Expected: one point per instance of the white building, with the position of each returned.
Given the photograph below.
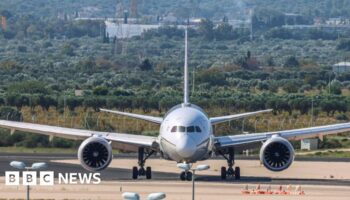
(129, 30)
(341, 67)
(335, 21)
(309, 144)
(126, 30)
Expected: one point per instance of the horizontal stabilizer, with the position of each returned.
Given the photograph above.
(216, 120)
(157, 120)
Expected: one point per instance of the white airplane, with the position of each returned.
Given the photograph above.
(186, 136)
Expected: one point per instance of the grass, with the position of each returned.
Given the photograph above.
(330, 154)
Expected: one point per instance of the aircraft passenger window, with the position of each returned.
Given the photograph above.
(182, 129)
(198, 129)
(173, 129)
(190, 129)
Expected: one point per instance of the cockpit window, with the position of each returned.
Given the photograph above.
(181, 129)
(190, 129)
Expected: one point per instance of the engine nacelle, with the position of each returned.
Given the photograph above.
(277, 154)
(95, 153)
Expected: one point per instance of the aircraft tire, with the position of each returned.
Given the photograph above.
(189, 176)
(148, 173)
(135, 173)
(237, 173)
(223, 173)
(183, 176)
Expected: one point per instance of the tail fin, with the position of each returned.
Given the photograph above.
(186, 95)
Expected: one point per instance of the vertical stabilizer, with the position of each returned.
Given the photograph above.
(186, 95)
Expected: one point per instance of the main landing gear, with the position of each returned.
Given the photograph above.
(141, 171)
(230, 172)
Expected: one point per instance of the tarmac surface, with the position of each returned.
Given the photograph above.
(317, 178)
(121, 171)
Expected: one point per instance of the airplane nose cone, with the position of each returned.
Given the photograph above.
(186, 147)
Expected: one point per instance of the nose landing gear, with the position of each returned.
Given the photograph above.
(236, 172)
(186, 176)
(141, 171)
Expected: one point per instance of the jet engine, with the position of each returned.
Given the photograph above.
(277, 154)
(95, 153)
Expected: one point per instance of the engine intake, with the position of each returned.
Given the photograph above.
(277, 154)
(95, 154)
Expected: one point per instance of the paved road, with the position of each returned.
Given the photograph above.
(125, 175)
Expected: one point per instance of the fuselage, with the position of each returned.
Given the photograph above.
(186, 134)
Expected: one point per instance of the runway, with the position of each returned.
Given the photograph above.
(316, 181)
(120, 170)
(108, 174)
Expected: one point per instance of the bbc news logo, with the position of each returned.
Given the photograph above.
(46, 178)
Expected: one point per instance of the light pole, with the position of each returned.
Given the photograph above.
(21, 166)
(312, 110)
(135, 196)
(187, 167)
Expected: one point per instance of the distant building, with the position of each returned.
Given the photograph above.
(291, 18)
(334, 21)
(195, 21)
(309, 144)
(235, 23)
(170, 18)
(79, 93)
(127, 30)
(338, 21)
(341, 67)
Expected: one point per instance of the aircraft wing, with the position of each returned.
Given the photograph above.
(295, 134)
(216, 120)
(157, 120)
(121, 139)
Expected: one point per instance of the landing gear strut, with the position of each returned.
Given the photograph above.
(141, 171)
(230, 157)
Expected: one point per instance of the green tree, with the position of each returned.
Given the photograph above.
(206, 28)
(335, 87)
(344, 44)
(68, 50)
(213, 76)
(224, 32)
(6, 13)
(9, 113)
(29, 87)
(291, 62)
(146, 65)
(100, 90)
